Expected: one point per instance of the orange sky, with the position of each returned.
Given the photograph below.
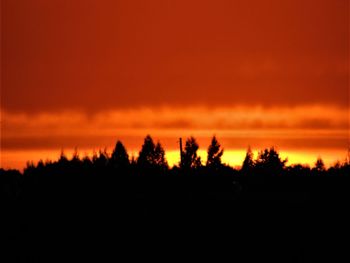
(85, 73)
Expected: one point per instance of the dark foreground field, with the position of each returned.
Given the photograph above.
(106, 217)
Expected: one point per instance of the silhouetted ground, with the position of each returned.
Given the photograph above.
(110, 215)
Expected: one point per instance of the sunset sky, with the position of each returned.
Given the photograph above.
(85, 73)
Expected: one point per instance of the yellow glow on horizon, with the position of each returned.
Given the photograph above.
(17, 159)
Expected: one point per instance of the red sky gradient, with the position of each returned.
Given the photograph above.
(85, 73)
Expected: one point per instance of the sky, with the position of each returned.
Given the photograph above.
(85, 73)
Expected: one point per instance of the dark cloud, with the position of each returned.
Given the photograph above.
(134, 143)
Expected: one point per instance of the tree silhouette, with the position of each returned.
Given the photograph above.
(248, 163)
(146, 155)
(94, 156)
(151, 155)
(269, 162)
(101, 160)
(214, 154)
(190, 158)
(75, 161)
(63, 160)
(41, 164)
(159, 157)
(319, 165)
(120, 157)
(86, 162)
(133, 161)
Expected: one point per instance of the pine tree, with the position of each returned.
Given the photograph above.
(151, 155)
(248, 163)
(214, 154)
(159, 157)
(269, 162)
(190, 157)
(146, 155)
(319, 165)
(120, 157)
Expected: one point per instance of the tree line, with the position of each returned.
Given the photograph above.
(152, 159)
